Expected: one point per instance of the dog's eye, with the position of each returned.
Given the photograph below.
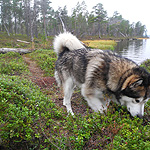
(137, 101)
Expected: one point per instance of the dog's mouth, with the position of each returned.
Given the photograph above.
(137, 115)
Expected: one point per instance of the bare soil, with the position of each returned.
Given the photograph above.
(49, 86)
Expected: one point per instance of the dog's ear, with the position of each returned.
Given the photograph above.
(132, 82)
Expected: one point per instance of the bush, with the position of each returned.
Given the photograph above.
(28, 116)
(23, 108)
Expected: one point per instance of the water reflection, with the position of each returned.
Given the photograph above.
(137, 50)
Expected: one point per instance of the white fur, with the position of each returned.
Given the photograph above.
(68, 90)
(135, 109)
(57, 78)
(96, 100)
(68, 40)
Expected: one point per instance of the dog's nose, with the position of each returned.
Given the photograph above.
(140, 116)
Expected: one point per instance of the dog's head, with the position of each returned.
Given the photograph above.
(136, 92)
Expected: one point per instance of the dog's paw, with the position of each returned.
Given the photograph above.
(70, 112)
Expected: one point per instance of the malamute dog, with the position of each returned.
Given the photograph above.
(102, 76)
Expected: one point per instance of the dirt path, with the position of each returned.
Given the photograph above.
(37, 75)
(48, 86)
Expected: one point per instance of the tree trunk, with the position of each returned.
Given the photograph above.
(45, 25)
(99, 31)
(27, 17)
(15, 25)
(6, 30)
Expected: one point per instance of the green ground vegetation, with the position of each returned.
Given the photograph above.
(146, 65)
(42, 43)
(30, 119)
(11, 41)
(12, 64)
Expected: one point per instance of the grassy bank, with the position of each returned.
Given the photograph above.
(30, 119)
(42, 43)
(12, 41)
(101, 44)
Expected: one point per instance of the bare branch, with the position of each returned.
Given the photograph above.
(63, 25)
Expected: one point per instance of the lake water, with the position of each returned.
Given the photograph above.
(136, 50)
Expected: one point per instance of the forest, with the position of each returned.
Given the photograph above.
(37, 17)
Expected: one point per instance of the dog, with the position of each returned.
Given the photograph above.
(102, 76)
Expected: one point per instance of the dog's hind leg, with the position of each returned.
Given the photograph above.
(68, 90)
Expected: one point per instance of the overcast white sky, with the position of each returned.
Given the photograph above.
(132, 10)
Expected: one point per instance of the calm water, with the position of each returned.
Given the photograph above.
(137, 50)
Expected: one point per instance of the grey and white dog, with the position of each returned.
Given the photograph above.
(102, 76)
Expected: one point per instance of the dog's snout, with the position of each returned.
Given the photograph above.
(140, 116)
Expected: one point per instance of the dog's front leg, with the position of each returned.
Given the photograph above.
(96, 104)
(95, 99)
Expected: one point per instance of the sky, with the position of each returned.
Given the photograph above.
(132, 10)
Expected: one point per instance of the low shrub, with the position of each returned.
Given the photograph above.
(146, 65)
(24, 111)
(30, 119)
(12, 63)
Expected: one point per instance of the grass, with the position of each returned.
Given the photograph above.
(25, 112)
(101, 44)
(11, 41)
(42, 43)
(30, 119)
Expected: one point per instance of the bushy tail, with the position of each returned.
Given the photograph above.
(68, 40)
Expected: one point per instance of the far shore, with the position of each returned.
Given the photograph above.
(117, 39)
